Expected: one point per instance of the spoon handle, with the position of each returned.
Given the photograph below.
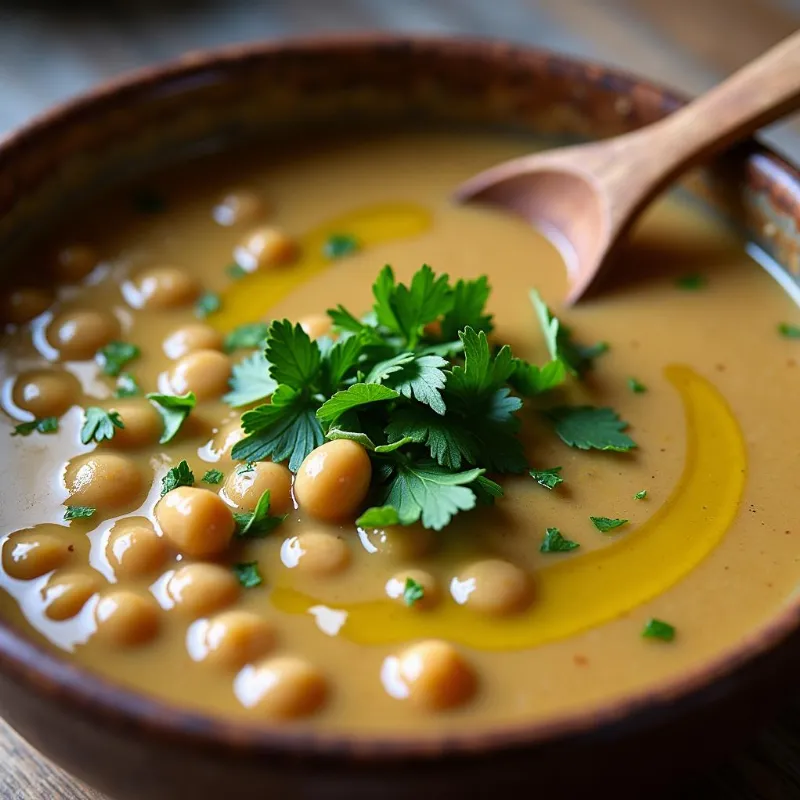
(762, 92)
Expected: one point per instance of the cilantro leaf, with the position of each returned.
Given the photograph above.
(248, 574)
(174, 410)
(252, 334)
(412, 592)
(338, 245)
(257, 523)
(115, 355)
(207, 303)
(481, 373)
(606, 524)
(213, 476)
(287, 428)
(469, 300)
(41, 425)
(588, 427)
(99, 425)
(127, 386)
(529, 380)
(379, 517)
(250, 381)
(549, 478)
(358, 394)
(295, 359)
(658, 629)
(449, 442)
(636, 387)
(79, 512)
(554, 542)
(640, 495)
(180, 475)
(789, 331)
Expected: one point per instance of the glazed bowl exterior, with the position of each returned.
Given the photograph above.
(132, 746)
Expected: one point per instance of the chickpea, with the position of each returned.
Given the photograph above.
(195, 336)
(75, 262)
(431, 674)
(143, 424)
(316, 325)
(18, 306)
(104, 481)
(31, 553)
(125, 618)
(281, 688)
(493, 587)
(66, 594)
(333, 481)
(238, 207)
(398, 542)
(233, 638)
(204, 372)
(225, 438)
(200, 589)
(315, 552)
(196, 521)
(46, 393)
(396, 589)
(166, 287)
(243, 488)
(134, 548)
(265, 248)
(78, 335)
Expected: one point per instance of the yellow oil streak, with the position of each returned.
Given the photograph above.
(247, 299)
(582, 591)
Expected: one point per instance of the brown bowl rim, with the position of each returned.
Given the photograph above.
(39, 669)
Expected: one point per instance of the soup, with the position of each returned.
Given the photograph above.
(646, 518)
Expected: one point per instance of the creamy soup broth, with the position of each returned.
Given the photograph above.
(730, 558)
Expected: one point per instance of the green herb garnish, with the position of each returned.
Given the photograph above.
(636, 387)
(115, 355)
(100, 425)
(606, 524)
(257, 523)
(658, 629)
(549, 478)
(180, 475)
(691, 282)
(554, 542)
(207, 303)
(246, 336)
(235, 271)
(338, 245)
(174, 410)
(42, 425)
(79, 512)
(127, 386)
(640, 495)
(250, 381)
(789, 331)
(588, 427)
(213, 476)
(248, 575)
(412, 592)
(149, 201)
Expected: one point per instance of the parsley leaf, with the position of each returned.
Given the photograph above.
(420, 377)
(469, 300)
(605, 524)
(127, 386)
(257, 523)
(450, 442)
(549, 478)
(554, 542)
(207, 303)
(250, 381)
(295, 360)
(640, 495)
(79, 512)
(174, 410)
(358, 394)
(248, 574)
(412, 592)
(529, 380)
(286, 428)
(379, 517)
(691, 282)
(588, 427)
(42, 425)
(180, 475)
(338, 245)
(340, 360)
(115, 355)
(481, 373)
(213, 476)
(789, 331)
(99, 425)
(253, 334)
(344, 321)
(658, 629)
(636, 387)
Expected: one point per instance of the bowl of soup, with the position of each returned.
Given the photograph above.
(312, 484)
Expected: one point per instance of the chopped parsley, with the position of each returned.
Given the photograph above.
(248, 574)
(79, 512)
(640, 495)
(208, 303)
(412, 592)
(658, 629)
(180, 475)
(789, 331)
(42, 425)
(127, 386)
(338, 245)
(247, 336)
(257, 523)
(235, 271)
(636, 387)
(213, 476)
(115, 355)
(100, 425)
(174, 410)
(606, 524)
(590, 428)
(549, 478)
(381, 517)
(554, 542)
(149, 201)
(691, 282)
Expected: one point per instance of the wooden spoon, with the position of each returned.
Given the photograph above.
(585, 198)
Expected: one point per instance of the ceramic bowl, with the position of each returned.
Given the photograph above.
(132, 746)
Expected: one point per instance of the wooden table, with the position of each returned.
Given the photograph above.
(52, 50)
